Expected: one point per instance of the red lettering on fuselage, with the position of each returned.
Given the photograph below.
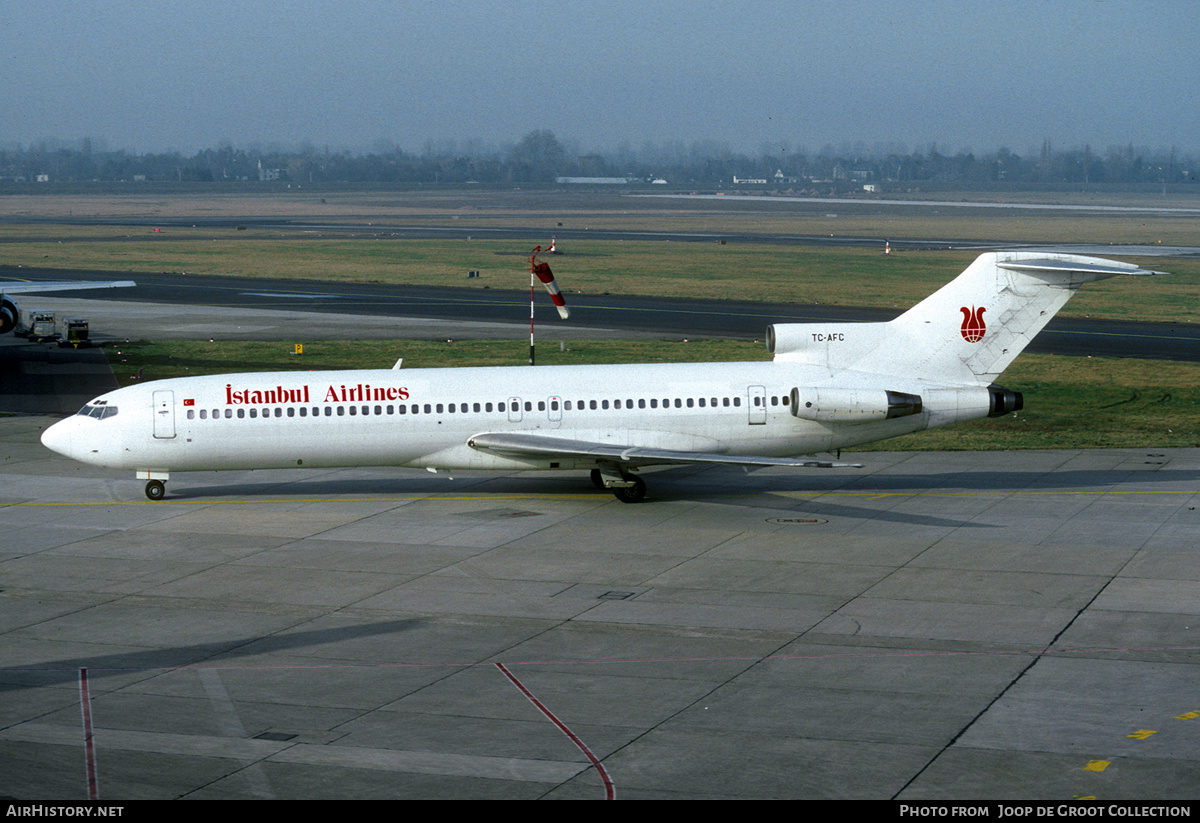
(365, 392)
(278, 395)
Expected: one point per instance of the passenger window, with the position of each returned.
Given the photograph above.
(241, 413)
(191, 414)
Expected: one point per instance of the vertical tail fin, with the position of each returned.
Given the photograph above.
(977, 324)
(968, 331)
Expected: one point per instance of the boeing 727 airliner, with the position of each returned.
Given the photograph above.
(830, 386)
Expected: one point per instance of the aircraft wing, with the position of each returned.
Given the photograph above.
(30, 287)
(520, 444)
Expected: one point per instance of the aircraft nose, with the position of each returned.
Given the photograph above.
(58, 438)
(63, 438)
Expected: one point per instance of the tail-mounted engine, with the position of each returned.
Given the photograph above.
(1004, 401)
(830, 405)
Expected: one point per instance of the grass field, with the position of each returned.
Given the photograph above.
(796, 274)
(749, 271)
(1069, 402)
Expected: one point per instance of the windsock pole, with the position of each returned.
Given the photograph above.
(541, 271)
(532, 283)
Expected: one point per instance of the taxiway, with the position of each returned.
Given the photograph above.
(934, 626)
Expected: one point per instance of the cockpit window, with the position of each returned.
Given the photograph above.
(98, 411)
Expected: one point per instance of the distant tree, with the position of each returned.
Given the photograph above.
(539, 157)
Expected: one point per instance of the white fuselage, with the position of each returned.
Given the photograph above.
(829, 387)
(425, 417)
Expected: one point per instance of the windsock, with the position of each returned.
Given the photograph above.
(543, 273)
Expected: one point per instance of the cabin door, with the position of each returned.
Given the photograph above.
(164, 415)
(757, 406)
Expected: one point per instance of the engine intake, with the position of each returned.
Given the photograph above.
(9, 315)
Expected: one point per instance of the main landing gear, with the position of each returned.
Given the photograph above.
(156, 489)
(628, 487)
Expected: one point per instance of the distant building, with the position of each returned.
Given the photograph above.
(595, 181)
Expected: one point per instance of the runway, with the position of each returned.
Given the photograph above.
(934, 626)
(431, 312)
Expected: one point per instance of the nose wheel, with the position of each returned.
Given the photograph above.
(156, 490)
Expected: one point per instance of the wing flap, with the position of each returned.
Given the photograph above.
(519, 444)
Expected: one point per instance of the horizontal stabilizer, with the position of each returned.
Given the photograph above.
(1078, 270)
(539, 447)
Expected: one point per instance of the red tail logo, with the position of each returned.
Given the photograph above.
(973, 326)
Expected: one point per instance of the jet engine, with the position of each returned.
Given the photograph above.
(9, 315)
(1003, 401)
(829, 405)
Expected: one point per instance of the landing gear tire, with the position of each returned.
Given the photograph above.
(597, 479)
(632, 494)
(156, 490)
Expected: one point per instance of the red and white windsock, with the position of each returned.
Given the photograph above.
(543, 273)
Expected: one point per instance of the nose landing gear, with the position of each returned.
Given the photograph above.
(156, 489)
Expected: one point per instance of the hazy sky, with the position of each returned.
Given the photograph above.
(152, 76)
